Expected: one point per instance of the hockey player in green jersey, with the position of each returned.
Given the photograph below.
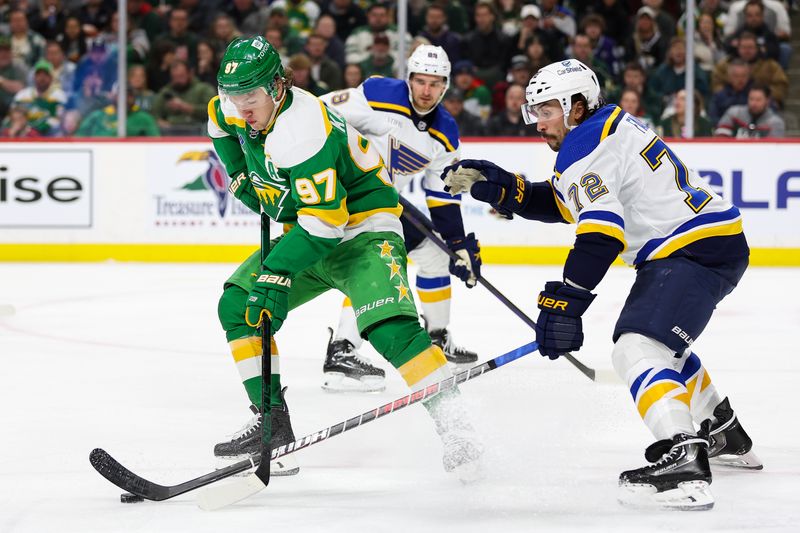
(308, 169)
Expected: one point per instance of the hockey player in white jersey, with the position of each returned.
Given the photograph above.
(630, 194)
(416, 137)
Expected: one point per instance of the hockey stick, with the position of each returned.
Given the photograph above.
(424, 225)
(262, 472)
(112, 470)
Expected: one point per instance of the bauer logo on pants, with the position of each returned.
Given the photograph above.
(373, 305)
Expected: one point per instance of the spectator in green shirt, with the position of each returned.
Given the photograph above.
(380, 61)
(477, 97)
(181, 107)
(103, 122)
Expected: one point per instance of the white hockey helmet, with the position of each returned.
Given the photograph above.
(428, 59)
(559, 81)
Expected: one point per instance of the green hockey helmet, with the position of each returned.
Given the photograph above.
(250, 64)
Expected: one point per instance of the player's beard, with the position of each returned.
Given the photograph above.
(552, 141)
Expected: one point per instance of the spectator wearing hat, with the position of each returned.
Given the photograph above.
(358, 45)
(665, 22)
(647, 45)
(469, 125)
(73, 40)
(530, 15)
(95, 76)
(323, 68)
(326, 27)
(477, 98)
(486, 46)
(300, 65)
(181, 107)
(764, 71)
(604, 49)
(27, 46)
(755, 120)
(103, 122)
(12, 76)
(348, 16)
(178, 34)
(670, 77)
(734, 92)
(63, 70)
(438, 33)
(558, 23)
(380, 61)
(520, 73)
(509, 123)
(43, 103)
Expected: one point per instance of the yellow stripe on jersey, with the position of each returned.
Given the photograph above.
(562, 209)
(358, 218)
(684, 239)
(334, 217)
(437, 295)
(212, 111)
(611, 231)
(325, 118)
(438, 202)
(442, 137)
(390, 107)
(422, 365)
(609, 121)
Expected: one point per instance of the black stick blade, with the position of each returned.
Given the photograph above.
(112, 470)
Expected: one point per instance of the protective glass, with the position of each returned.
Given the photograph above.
(545, 111)
(254, 99)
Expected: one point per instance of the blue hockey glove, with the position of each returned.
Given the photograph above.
(269, 296)
(468, 266)
(487, 182)
(559, 329)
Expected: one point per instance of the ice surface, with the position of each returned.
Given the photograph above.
(130, 357)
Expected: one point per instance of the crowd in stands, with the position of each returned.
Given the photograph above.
(59, 58)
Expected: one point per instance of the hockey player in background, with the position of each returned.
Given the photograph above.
(307, 168)
(630, 194)
(416, 137)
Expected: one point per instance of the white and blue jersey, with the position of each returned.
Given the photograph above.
(615, 177)
(410, 144)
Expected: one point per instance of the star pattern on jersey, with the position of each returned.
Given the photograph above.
(403, 292)
(386, 249)
(394, 269)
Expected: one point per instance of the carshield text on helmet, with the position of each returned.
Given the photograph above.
(560, 81)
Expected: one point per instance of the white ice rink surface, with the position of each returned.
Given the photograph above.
(130, 357)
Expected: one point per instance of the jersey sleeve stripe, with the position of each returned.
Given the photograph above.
(357, 218)
(611, 123)
(442, 138)
(606, 216)
(325, 118)
(721, 223)
(610, 230)
(562, 209)
(441, 203)
(441, 194)
(212, 110)
(385, 106)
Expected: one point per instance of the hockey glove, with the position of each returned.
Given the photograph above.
(488, 183)
(468, 266)
(270, 296)
(559, 329)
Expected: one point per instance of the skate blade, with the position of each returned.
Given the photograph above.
(338, 382)
(283, 466)
(747, 461)
(687, 496)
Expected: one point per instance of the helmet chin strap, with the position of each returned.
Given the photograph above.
(276, 104)
(411, 97)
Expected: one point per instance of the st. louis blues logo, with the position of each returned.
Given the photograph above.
(405, 160)
(214, 178)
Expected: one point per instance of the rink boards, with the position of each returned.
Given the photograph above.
(166, 200)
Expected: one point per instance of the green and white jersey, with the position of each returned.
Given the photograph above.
(308, 168)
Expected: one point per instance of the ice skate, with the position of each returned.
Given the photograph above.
(678, 478)
(346, 371)
(462, 449)
(456, 355)
(728, 443)
(247, 441)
